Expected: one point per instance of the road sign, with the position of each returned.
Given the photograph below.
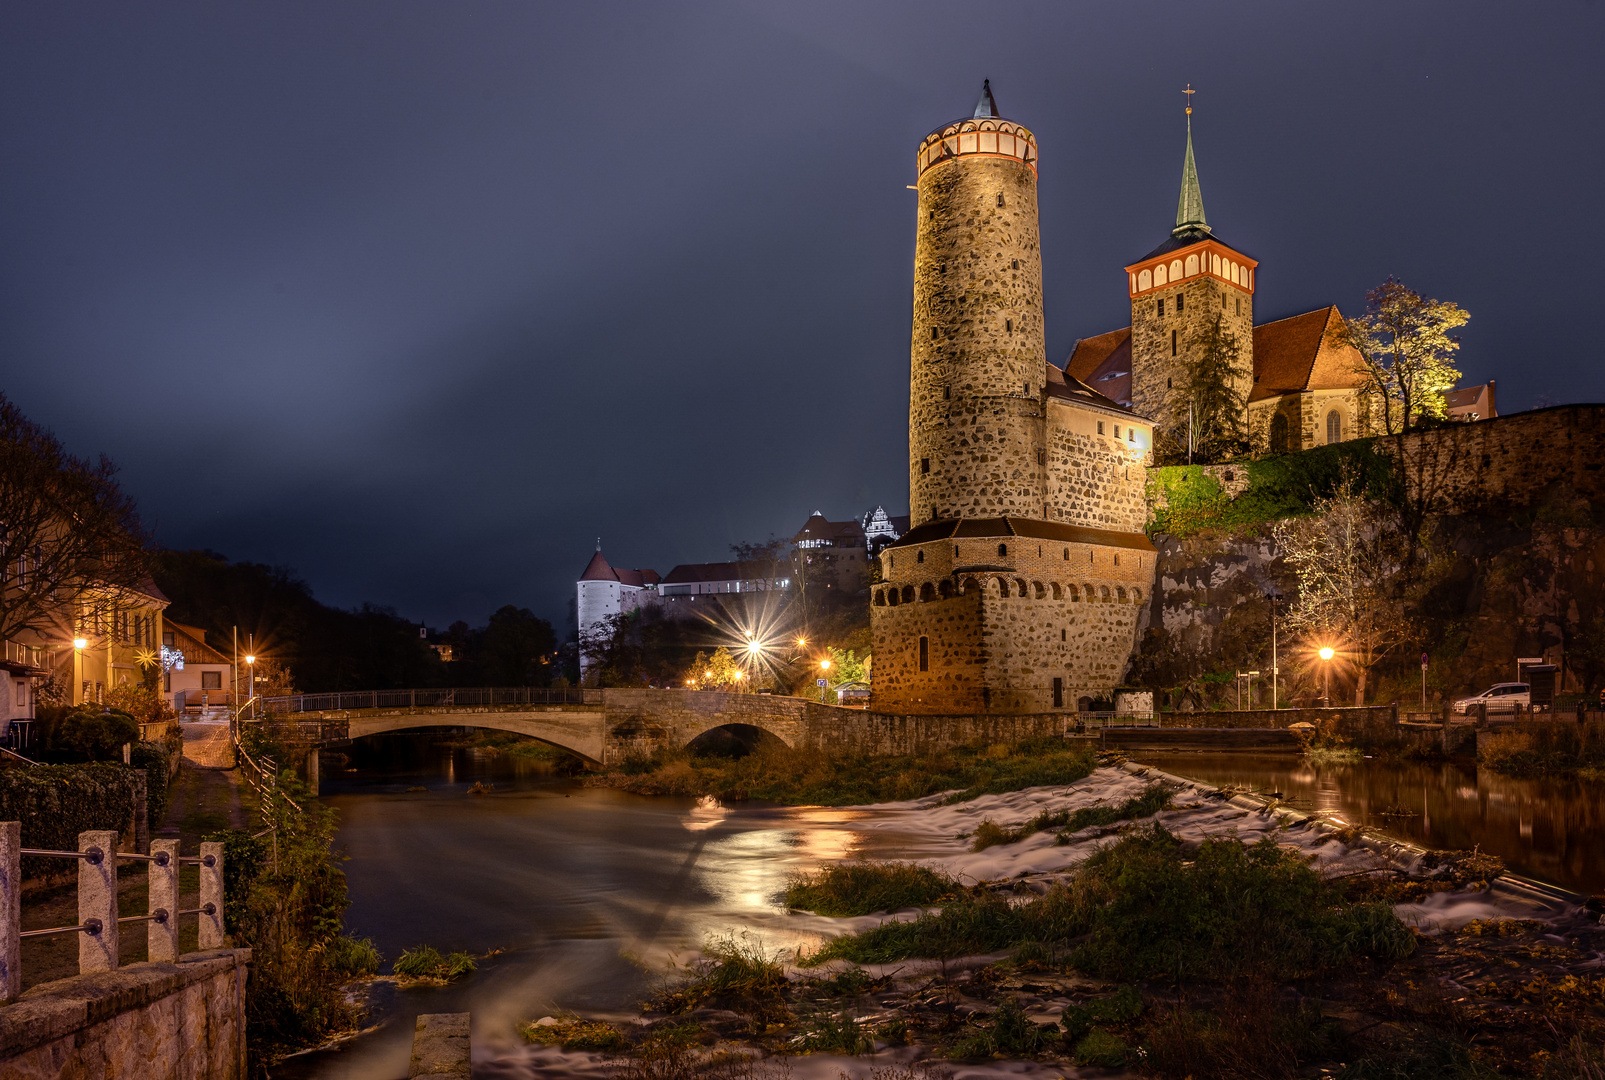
(1423, 661)
(820, 682)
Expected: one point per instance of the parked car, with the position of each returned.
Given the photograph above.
(1500, 697)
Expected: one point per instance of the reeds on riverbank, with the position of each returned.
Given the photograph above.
(783, 775)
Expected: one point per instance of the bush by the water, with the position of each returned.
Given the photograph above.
(808, 777)
(354, 956)
(1149, 908)
(1550, 747)
(1146, 803)
(862, 888)
(427, 962)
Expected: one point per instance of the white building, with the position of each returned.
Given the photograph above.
(604, 591)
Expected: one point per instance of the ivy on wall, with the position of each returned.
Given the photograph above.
(1184, 499)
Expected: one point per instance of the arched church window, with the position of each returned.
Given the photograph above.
(1334, 427)
(1192, 265)
(1159, 275)
(1145, 281)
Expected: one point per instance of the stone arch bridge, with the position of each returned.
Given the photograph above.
(606, 726)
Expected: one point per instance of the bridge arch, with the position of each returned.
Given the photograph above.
(580, 733)
(733, 740)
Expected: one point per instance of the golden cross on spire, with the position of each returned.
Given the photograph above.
(1189, 92)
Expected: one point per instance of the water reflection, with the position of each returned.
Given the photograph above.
(1551, 829)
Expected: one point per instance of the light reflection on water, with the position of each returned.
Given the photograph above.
(591, 893)
(1551, 829)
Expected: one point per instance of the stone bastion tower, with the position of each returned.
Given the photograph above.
(1018, 587)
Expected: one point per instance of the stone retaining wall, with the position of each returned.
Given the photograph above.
(154, 1021)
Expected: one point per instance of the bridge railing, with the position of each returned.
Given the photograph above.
(431, 698)
(98, 919)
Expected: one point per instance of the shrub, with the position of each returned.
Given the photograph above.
(733, 974)
(57, 802)
(353, 956)
(834, 1035)
(971, 924)
(862, 888)
(1123, 1005)
(90, 734)
(1101, 1048)
(426, 962)
(1010, 1033)
(573, 1033)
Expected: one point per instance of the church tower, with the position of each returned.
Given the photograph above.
(1177, 290)
(977, 355)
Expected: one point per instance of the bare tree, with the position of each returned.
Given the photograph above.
(1406, 351)
(72, 550)
(1347, 558)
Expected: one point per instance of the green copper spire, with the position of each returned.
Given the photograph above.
(1190, 207)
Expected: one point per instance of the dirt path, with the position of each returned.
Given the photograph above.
(206, 795)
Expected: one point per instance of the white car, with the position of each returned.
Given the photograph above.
(1501, 697)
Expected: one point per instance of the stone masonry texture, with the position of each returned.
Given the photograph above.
(977, 355)
(153, 1021)
(1158, 379)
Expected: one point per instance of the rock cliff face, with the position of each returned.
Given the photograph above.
(1491, 589)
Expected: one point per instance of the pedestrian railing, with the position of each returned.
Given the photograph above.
(1097, 721)
(431, 698)
(99, 925)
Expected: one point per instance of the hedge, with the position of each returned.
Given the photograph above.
(57, 802)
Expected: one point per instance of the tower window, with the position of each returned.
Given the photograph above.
(1008, 326)
(919, 556)
(1066, 554)
(1167, 384)
(1058, 692)
(1237, 305)
(1042, 457)
(1015, 265)
(1003, 549)
(1160, 305)
(925, 654)
(1179, 303)
(1100, 427)
(1062, 635)
(925, 466)
(1117, 431)
(1223, 302)
(1000, 198)
(1173, 343)
(947, 393)
(933, 333)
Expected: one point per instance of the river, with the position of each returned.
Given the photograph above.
(590, 894)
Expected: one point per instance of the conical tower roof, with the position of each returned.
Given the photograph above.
(598, 569)
(1190, 207)
(987, 106)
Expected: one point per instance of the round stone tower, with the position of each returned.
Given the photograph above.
(976, 433)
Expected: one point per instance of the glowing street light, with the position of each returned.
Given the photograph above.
(1326, 654)
(824, 666)
(80, 643)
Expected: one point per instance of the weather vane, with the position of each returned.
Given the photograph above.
(1189, 92)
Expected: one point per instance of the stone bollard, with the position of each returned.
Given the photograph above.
(210, 935)
(441, 1047)
(97, 902)
(161, 937)
(10, 909)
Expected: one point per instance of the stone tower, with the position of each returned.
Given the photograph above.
(976, 440)
(1176, 291)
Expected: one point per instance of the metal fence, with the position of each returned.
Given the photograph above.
(98, 922)
(459, 697)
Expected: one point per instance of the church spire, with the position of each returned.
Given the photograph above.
(987, 107)
(1190, 207)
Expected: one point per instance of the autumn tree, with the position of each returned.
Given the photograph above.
(1346, 558)
(72, 550)
(1219, 411)
(1406, 352)
(718, 671)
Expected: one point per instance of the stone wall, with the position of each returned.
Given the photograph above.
(1010, 615)
(1096, 477)
(1158, 379)
(154, 1021)
(977, 355)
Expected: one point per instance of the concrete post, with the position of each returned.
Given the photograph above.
(10, 909)
(97, 902)
(162, 937)
(441, 1047)
(211, 929)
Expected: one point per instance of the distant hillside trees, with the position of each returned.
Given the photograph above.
(1407, 352)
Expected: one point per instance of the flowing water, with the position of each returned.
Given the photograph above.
(589, 894)
(1552, 829)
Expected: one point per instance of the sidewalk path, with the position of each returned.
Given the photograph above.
(206, 795)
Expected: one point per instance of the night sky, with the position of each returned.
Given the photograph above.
(420, 298)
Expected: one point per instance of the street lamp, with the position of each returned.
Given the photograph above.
(824, 666)
(250, 662)
(1326, 654)
(80, 643)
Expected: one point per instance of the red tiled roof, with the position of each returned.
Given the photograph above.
(598, 569)
(1294, 354)
(843, 533)
(688, 573)
(1028, 527)
(1473, 399)
(1104, 363)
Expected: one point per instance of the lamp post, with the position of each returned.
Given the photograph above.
(1327, 652)
(1274, 669)
(250, 664)
(824, 666)
(78, 646)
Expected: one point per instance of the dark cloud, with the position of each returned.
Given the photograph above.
(420, 298)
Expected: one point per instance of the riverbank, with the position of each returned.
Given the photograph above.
(787, 777)
(1141, 945)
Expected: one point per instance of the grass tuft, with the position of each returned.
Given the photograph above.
(733, 973)
(573, 1033)
(426, 962)
(863, 888)
(354, 956)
